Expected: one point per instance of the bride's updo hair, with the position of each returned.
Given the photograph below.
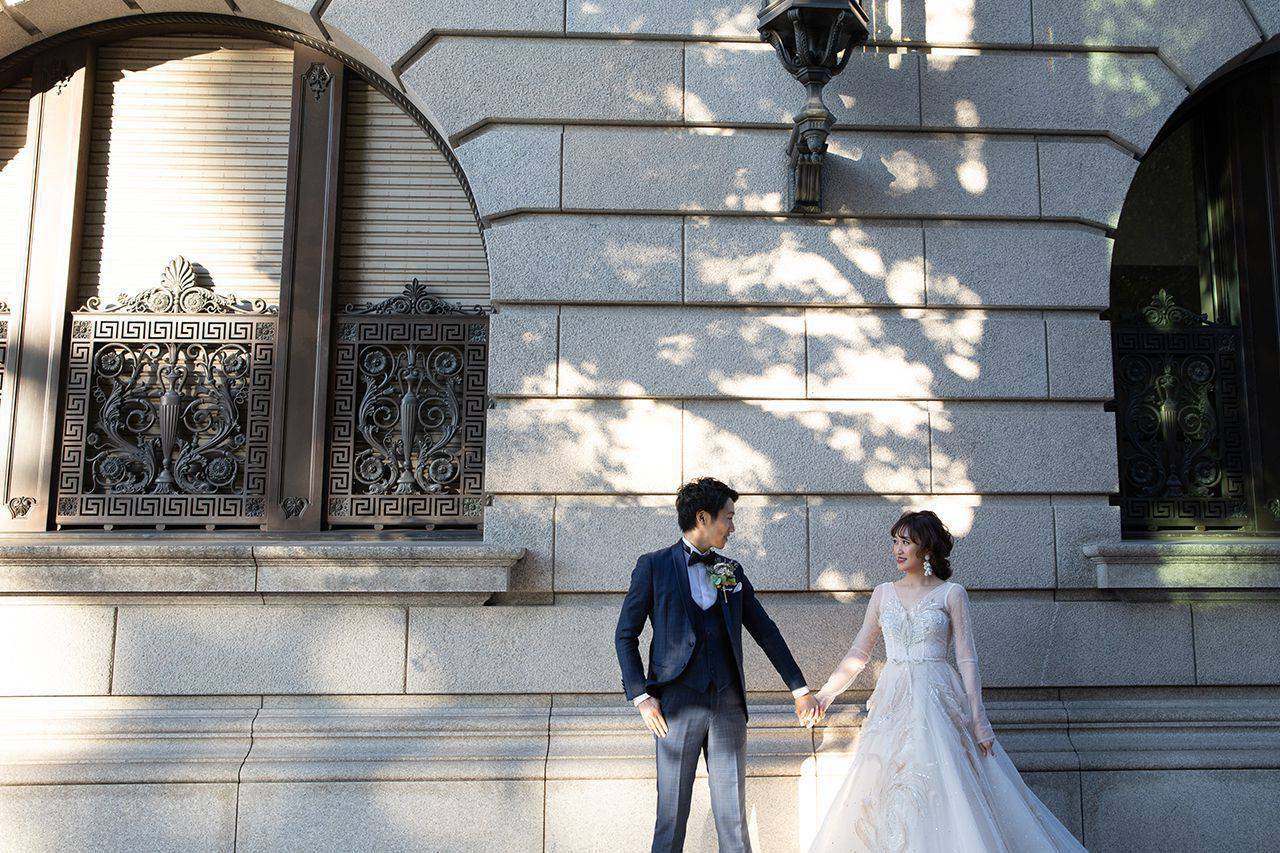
(927, 530)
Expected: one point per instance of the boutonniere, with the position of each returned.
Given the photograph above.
(724, 576)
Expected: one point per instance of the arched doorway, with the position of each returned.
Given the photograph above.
(248, 290)
(1194, 310)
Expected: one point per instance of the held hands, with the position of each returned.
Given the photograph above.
(808, 710)
(651, 711)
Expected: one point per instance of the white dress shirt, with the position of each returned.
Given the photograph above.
(704, 595)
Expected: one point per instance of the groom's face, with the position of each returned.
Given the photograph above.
(717, 530)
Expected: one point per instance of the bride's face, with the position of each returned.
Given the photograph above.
(908, 555)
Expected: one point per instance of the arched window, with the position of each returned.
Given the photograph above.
(1195, 281)
(245, 286)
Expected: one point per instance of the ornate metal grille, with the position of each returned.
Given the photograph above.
(1182, 440)
(407, 432)
(167, 408)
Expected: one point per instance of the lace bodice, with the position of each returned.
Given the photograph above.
(921, 631)
(917, 632)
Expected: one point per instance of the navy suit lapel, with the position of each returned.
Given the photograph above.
(675, 556)
(732, 613)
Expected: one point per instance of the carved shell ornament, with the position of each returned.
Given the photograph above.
(180, 293)
(416, 299)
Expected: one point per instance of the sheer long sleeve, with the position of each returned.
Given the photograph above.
(967, 662)
(859, 653)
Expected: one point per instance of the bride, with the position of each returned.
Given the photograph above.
(928, 773)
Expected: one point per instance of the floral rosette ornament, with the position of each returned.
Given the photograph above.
(724, 576)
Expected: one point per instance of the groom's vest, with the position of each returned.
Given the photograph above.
(712, 661)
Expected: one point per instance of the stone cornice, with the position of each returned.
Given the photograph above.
(409, 738)
(1218, 565)
(176, 564)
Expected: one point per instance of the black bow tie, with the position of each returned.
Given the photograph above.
(709, 559)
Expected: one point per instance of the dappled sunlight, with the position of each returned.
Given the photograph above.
(1111, 74)
(945, 287)
(677, 350)
(810, 445)
(767, 380)
(585, 377)
(956, 511)
(863, 354)
(910, 173)
(707, 351)
(721, 19)
(673, 98)
(950, 475)
(634, 262)
(551, 445)
(956, 336)
(859, 361)
(790, 266)
(948, 21)
(728, 20)
(967, 113)
(1145, 23)
(744, 199)
(706, 441)
(971, 171)
(889, 13)
(533, 384)
(946, 58)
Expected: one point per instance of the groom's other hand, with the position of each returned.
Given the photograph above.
(651, 711)
(807, 709)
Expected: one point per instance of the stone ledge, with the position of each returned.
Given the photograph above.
(390, 739)
(119, 740)
(1209, 565)
(129, 563)
(442, 738)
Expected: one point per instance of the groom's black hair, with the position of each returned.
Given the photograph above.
(703, 493)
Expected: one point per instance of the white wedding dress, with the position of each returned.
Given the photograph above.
(918, 782)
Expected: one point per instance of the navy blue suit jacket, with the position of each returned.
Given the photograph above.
(660, 593)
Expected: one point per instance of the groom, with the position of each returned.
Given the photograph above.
(694, 696)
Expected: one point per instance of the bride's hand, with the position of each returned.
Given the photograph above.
(987, 747)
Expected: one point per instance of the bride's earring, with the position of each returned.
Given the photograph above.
(928, 567)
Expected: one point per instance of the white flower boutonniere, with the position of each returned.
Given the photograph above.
(724, 576)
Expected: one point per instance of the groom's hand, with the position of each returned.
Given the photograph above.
(651, 711)
(807, 709)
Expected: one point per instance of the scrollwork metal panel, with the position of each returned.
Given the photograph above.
(1182, 441)
(166, 415)
(407, 433)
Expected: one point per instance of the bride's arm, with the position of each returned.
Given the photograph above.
(859, 653)
(967, 663)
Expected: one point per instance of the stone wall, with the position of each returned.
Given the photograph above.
(934, 342)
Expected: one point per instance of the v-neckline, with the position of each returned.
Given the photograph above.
(912, 609)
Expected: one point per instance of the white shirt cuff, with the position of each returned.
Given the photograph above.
(643, 696)
(799, 691)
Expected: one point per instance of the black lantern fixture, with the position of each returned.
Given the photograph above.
(814, 39)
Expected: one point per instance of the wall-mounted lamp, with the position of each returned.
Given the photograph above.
(814, 39)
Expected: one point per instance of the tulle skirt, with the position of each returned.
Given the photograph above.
(918, 782)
